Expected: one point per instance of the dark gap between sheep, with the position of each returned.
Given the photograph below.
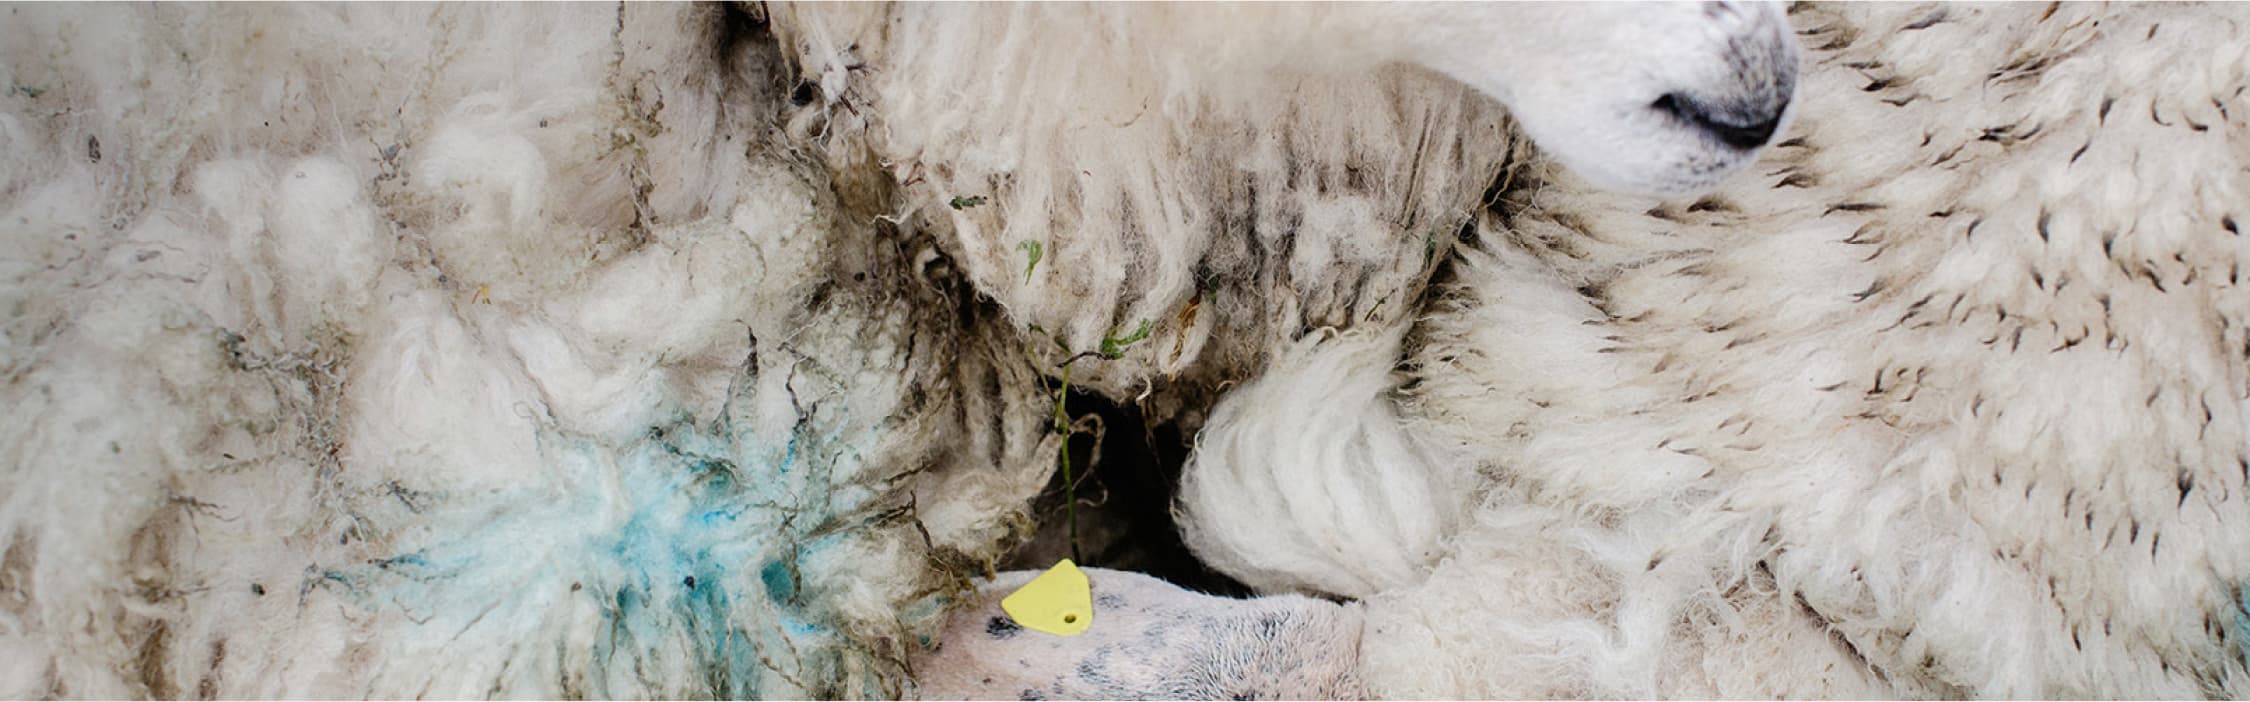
(1124, 503)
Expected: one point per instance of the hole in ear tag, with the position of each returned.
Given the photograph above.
(1059, 601)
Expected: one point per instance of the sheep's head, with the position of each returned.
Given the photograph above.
(1665, 98)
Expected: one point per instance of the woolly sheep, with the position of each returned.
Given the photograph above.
(363, 350)
(1225, 177)
(1947, 399)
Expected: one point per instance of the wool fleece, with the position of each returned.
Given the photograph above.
(404, 350)
(1156, 194)
(1163, 197)
(1945, 398)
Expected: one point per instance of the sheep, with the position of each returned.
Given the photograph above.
(1179, 645)
(1176, 190)
(1945, 398)
(370, 351)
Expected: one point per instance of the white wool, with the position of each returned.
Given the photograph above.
(371, 351)
(1943, 398)
(1202, 170)
(1222, 178)
(1307, 480)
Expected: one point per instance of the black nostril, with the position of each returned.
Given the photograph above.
(1737, 129)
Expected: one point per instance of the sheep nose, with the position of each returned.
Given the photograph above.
(1737, 127)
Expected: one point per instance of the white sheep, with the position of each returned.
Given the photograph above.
(1946, 398)
(1224, 177)
(401, 351)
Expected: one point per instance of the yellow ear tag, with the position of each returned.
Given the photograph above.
(1058, 602)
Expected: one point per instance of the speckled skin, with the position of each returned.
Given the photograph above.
(1150, 640)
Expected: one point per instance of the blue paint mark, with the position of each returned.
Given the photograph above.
(623, 530)
(798, 627)
(779, 585)
(788, 457)
(2242, 622)
(349, 581)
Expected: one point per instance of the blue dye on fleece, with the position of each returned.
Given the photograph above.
(780, 585)
(690, 542)
(2242, 622)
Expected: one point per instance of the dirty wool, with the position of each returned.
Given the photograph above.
(402, 351)
(711, 351)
